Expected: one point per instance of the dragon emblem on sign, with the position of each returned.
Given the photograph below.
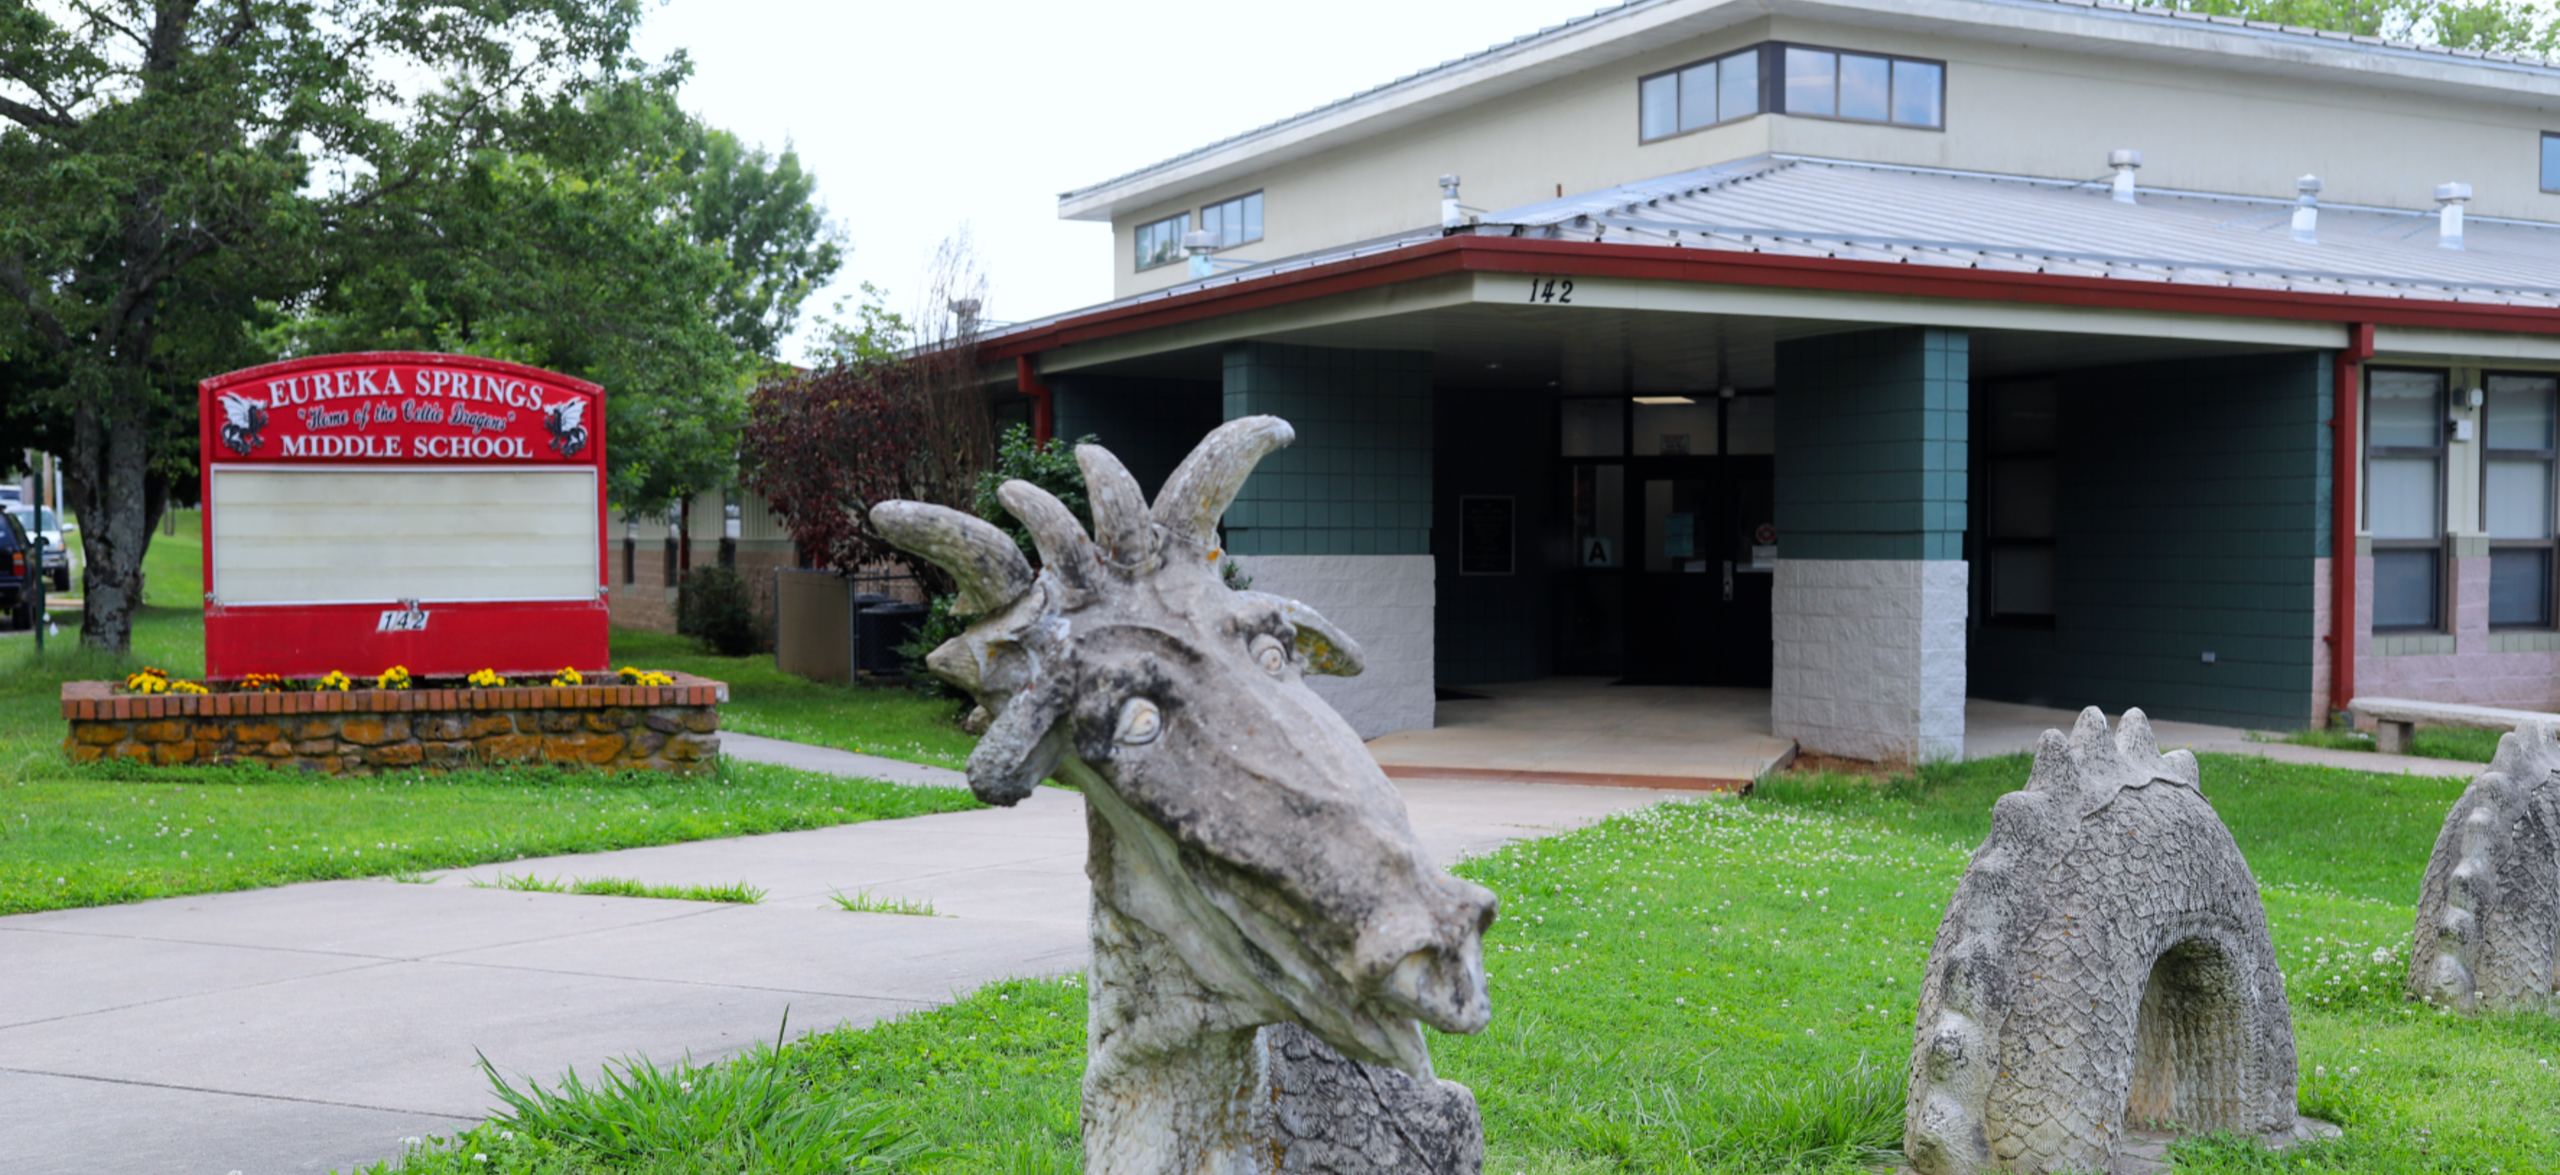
(242, 420)
(567, 421)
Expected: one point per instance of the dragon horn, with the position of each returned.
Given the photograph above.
(1198, 493)
(990, 569)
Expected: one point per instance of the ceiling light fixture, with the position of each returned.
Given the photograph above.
(1664, 400)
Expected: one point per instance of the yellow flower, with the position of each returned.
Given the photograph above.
(487, 679)
(263, 683)
(149, 681)
(395, 677)
(638, 676)
(568, 677)
(187, 687)
(335, 680)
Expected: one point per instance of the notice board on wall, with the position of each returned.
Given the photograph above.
(443, 513)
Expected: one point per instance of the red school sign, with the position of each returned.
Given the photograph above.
(439, 512)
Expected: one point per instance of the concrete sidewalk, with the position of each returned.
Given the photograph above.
(314, 1026)
(2003, 728)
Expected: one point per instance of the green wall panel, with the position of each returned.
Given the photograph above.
(1872, 444)
(2192, 501)
(1358, 479)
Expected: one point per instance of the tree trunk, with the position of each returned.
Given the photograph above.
(108, 460)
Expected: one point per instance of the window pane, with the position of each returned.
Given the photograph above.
(2022, 498)
(2401, 502)
(1676, 430)
(2404, 589)
(2023, 419)
(2518, 414)
(1253, 217)
(1916, 92)
(2551, 163)
(2519, 499)
(2022, 581)
(1866, 87)
(1660, 99)
(2402, 409)
(1810, 80)
(2520, 587)
(1594, 428)
(1160, 242)
(1738, 85)
(1697, 96)
(1751, 425)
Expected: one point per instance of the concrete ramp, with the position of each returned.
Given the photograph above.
(1589, 731)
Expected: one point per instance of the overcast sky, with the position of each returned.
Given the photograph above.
(918, 119)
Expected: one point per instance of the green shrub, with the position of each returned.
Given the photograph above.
(1051, 467)
(939, 626)
(714, 609)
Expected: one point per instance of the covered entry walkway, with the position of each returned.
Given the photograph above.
(1592, 731)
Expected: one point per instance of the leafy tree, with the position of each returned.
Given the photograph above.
(2491, 26)
(625, 244)
(172, 172)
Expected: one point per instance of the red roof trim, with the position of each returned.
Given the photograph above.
(1718, 267)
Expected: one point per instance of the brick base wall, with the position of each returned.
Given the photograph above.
(359, 732)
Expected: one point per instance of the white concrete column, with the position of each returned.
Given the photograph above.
(1870, 657)
(1385, 603)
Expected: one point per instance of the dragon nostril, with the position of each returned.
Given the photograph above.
(1140, 722)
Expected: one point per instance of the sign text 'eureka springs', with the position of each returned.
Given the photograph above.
(403, 414)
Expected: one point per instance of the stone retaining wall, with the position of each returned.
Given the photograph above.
(614, 727)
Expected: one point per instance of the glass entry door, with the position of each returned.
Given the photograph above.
(1674, 540)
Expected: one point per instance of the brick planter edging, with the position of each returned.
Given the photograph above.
(667, 728)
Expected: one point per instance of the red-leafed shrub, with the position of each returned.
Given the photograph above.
(820, 448)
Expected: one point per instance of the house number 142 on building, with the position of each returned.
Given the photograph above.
(1551, 289)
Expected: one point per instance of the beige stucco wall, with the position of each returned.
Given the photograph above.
(2009, 109)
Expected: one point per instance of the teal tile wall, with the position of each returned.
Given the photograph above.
(2193, 499)
(1358, 479)
(1149, 424)
(1872, 441)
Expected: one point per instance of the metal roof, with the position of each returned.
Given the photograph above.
(1580, 24)
(1804, 207)
(1800, 207)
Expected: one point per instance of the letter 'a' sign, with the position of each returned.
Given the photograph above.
(438, 512)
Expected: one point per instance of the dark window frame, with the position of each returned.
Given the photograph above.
(1199, 216)
(2439, 623)
(2549, 544)
(1774, 95)
(1993, 542)
(1765, 51)
(1137, 241)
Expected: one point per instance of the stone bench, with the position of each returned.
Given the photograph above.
(2396, 719)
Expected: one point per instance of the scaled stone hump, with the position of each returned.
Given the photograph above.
(2488, 933)
(2103, 970)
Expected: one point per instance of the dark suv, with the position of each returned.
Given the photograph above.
(19, 567)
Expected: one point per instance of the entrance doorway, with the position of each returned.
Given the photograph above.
(1672, 506)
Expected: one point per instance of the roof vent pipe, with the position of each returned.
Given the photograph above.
(2126, 161)
(1450, 216)
(2306, 211)
(2449, 217)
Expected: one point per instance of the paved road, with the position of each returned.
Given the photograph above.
(311, 1027)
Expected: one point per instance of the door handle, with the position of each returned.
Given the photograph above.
(1728, 581)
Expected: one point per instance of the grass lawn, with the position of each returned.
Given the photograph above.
(1704, 986)
(2427, 742)
(80, 836)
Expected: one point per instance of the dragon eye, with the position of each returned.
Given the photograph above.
(1140, 722)
(1269, 653)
